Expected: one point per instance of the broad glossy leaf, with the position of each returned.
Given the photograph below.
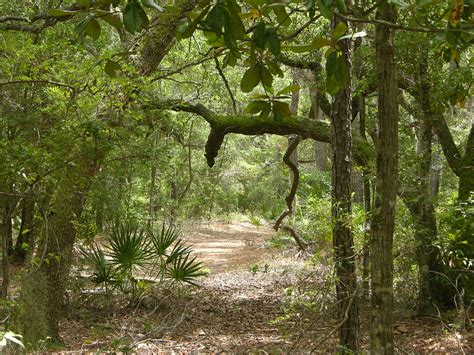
(257, 106)
(275, 69)
(281, 110)
(113, 19)
(320, 42)
(93, 29)
(272, 41)
(343, 75)
(281, 15)
(339, 31)
(134, 17)
(111, 68)
(267, 78)
(216, 18)
(251, 78)
(59, 12)
(324, 9)
(331, 64)
(332, 85)
(265, 112)
(259, 35)
(288, 89)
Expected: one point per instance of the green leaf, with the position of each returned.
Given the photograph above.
(343, 74)
(281, 110)
(332, 85)
(93, 29)
(257, 106)
(288, 89)
(281, 15)
(259, 35)
(331, 64)
(267, 78)
(59, 12)
(216, 19)
(111, 68)
(250, 79)
(265, 112)
(275, 69)
(82, 25)
(320, 42)
(152, 5)
(111, 18)
(229, 60)
(134, 17)
(272, 41)
(339, 31)
(324, 9)
(341, 6)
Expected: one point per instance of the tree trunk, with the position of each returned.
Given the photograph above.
(24, 241)
(466, 173)
(383, 222)
(58, 237)
(320, 148)
(367, 206)
(6, 209)
(343, 242)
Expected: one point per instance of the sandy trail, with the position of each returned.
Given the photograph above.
(228, 246)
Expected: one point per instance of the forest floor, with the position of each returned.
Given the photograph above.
(241, 307)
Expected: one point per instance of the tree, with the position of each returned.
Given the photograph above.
(383, 220)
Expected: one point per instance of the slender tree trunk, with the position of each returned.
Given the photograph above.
(383, 222)
(24, 241)
(320, 148)
(6, 209)
(346, 285)
(367, 206)
(466, 173)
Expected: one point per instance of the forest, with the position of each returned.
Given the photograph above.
(251, 176)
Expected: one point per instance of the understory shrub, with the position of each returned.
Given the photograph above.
(133, 259)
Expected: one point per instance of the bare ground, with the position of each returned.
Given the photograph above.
(240, 307)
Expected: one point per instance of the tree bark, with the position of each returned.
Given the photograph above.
(383, 222)
(343, 241)
(367, 205)
(59, 235)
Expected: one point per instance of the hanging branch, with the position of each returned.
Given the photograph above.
(226, 83)
(291, 196)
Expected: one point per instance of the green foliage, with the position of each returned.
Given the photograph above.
(128, 247)
(103, 271)
(135, 259)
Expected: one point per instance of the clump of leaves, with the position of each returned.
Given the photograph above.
(135, 258)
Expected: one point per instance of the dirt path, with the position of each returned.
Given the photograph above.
(229, 246)
(236, 308)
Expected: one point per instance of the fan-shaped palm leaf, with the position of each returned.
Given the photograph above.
(184, 269)
(128, 248)
(103, 272)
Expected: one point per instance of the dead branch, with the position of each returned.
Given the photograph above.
(293, 143)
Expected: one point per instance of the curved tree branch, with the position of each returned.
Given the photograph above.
(249, 125)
